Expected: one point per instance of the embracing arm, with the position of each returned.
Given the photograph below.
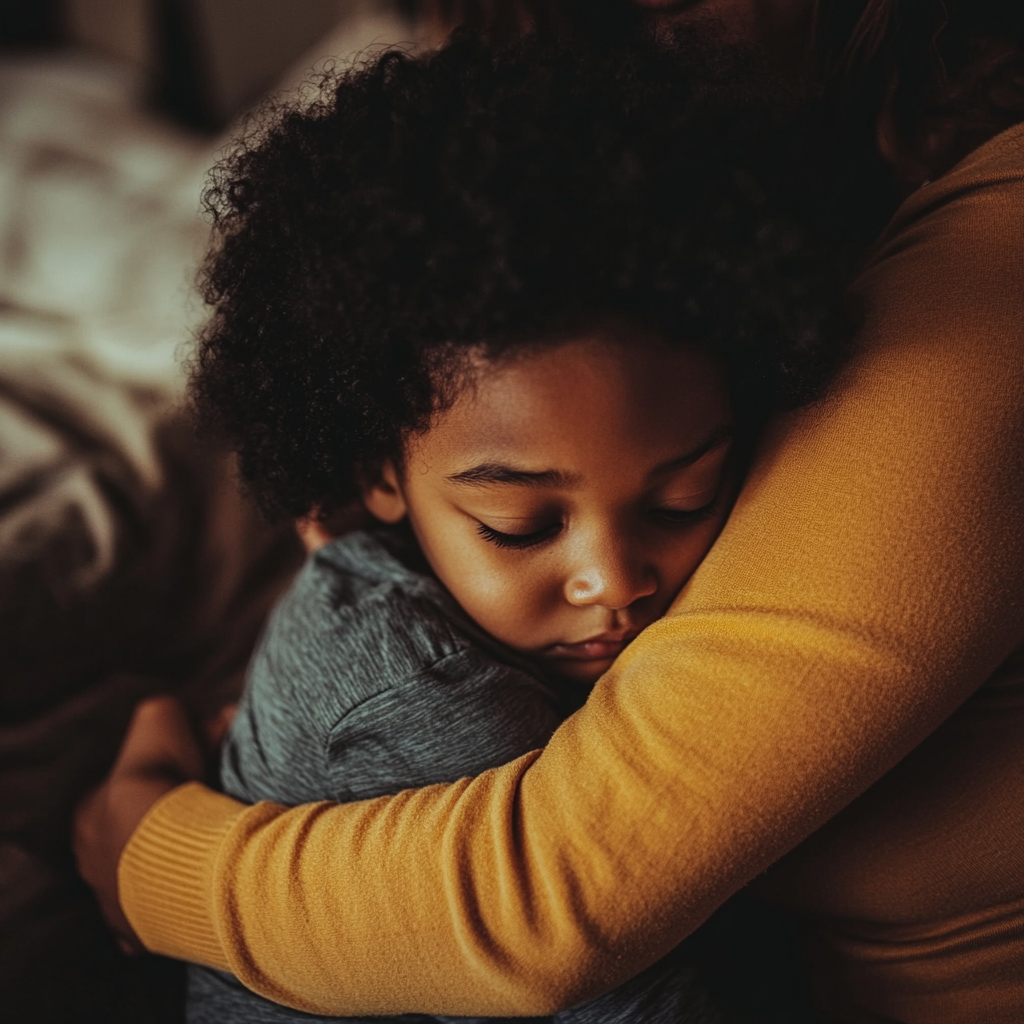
(869, 579)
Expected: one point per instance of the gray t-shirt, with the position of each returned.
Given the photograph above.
(370, 679)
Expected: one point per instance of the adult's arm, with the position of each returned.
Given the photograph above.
(869, 579)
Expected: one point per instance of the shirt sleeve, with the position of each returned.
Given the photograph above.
(869, 579)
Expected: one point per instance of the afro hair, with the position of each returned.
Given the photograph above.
(418, 208)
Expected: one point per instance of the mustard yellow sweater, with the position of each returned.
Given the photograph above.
(870, 580)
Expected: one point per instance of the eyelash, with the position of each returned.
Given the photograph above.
(519, 541)
(684, 517)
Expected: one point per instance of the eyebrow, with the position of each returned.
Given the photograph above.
(718, 437)
(487, 473)
(496, 473)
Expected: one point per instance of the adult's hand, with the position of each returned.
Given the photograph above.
(160, 751)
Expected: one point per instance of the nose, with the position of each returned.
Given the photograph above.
(612, 573)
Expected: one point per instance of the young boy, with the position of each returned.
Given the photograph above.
(529, 308)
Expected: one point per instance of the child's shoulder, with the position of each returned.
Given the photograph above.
(364, 566)
(361, 616)
(365, 637)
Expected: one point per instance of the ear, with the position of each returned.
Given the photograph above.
(383, 498)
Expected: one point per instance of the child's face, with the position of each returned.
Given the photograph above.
(569, 493)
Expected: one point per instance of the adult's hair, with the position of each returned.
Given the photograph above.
(949, 73)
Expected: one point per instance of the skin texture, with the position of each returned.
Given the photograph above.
(569, 493)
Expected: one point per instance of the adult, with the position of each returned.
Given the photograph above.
(865, 599)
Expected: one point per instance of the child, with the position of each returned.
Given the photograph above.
(529, 308)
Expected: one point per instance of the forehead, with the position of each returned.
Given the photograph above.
(608, 399)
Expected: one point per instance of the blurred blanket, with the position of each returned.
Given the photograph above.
(128, 562)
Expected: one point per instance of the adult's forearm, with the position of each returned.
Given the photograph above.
(545, 882)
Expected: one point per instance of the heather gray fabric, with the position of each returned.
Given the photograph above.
(369, 680)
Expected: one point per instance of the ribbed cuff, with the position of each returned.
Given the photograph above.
(166, 873)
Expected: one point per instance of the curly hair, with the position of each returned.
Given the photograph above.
(950, 73)
(422, 208)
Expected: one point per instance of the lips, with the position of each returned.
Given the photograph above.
(597, 648)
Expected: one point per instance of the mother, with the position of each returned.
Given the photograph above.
(863, 609)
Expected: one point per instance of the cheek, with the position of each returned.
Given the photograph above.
(511, 597)
(511, 600)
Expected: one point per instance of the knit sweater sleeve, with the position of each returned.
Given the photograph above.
(868, 581)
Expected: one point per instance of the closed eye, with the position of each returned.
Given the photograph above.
(517, 540)
(686, 516)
